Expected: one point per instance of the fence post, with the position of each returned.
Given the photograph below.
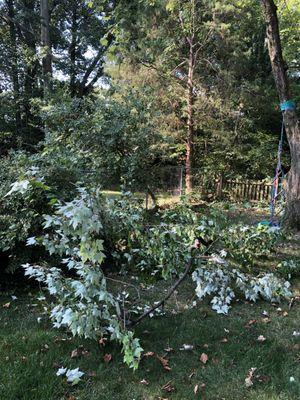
(220, 186)
(147, 200)
(181, 181)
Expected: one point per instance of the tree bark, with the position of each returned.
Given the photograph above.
(292, 208)
(14, 64)
(190, 118)
(31, 133)
(72, 50)
(46, 45)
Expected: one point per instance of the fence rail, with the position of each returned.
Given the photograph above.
(218, 186)
(244, 190)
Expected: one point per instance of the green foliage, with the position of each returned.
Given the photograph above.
(80, 231)
(111, 136)
(22, 216)
(247, 244)
(83, 303)
(288, 269)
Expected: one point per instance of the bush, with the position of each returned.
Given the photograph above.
(21, 216)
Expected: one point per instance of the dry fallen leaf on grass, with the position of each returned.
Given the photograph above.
(6, 305)
(79, 352)
(168, 349)
(250, 323)
(266, 320)
(261, 338)
(285, 314)
(193, 372)
(196, 388)
(263, 378)
(204, 358)
(144, 382)
(149, 354)
(102, 341)
(187, 347)
(168, 387)
(224, 340)
(164, 362)
(249, 377)
(107, 358)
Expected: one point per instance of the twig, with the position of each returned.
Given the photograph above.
(175, 286)
(125, 284)
(169, 294)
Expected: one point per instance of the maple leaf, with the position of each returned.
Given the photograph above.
(61, 371)
(73, 376)
(204, 358)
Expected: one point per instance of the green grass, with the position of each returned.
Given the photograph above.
(27, 368)
(31, 352)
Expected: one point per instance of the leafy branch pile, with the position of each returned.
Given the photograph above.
(80, 234)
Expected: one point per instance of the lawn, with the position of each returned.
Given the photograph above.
(31, 351)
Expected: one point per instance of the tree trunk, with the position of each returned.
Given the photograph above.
(292, 208)
(14, 65)
(190, 119)
(72, 50)
(31, 134)
(46, 45)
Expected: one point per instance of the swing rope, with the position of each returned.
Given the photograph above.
(278, 171)
(285, 106)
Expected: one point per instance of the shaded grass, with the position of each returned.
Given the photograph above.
(28, 367)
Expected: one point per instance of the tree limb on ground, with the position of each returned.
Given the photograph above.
(188, 266)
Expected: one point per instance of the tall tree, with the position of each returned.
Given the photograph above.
(14, 62)
(46, 44)
(83, 37)
(291, 121)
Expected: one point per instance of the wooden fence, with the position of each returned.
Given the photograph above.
(244, 190)
(235, 189)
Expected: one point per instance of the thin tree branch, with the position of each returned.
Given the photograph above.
(177, 283)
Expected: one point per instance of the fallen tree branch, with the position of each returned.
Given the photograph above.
(196, 245)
